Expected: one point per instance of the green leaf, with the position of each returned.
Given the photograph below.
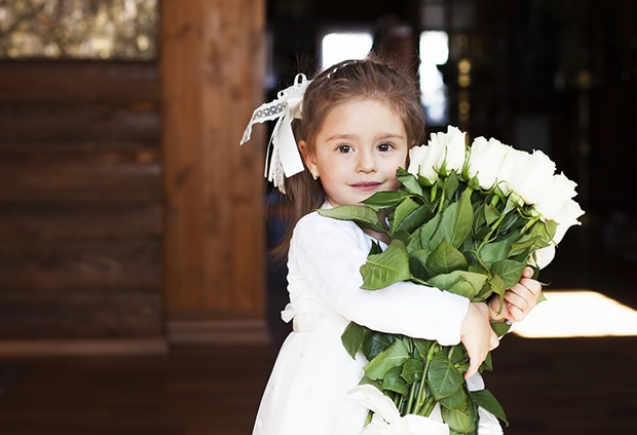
(497, 285)
(500, 328)
(538, 236)
(376, 342)
(404, 209)
(403, 236)
(487, 364)
(509, 271)
(458, 400)
(497, 250)
(366, 381)
(386, 199)
(418, 270)
(375, 249)
(486, 400)
(386, 268)
(460, 421)
(456, 221)
(394, 356)
(473, 182)
(450, 186)
(409, 181)
(445, 258)
(466, 283)
(413, 220)
(426, 232)
(479, 221)
(491, 214)
(412, 370)
(422, 346)
(392, 381)
(353, 337)
(417, 263)
(364, 216)
(443, 378)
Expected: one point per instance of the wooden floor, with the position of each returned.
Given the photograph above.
(584, 386)
(550, 387)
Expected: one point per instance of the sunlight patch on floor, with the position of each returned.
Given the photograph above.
(578, 313)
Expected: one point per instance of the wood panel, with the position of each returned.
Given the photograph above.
(213, 76)
(81, 313)
(54, 121)
(38, 81)
(51, 220)
(94, 156)
(55, 171)
(81, 206)
(87, 263)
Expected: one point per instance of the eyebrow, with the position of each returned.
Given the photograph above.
(381, 136)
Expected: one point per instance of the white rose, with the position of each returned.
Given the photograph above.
(562, 189)
(455, 144)
(513, 159)
(543, 256)
(485, 159)
(529, 175)
(566, 218)
(422, 159)
(448, 149)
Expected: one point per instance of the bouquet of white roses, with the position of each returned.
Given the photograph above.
(467, 220)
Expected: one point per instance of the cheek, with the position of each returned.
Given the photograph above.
(401, 161)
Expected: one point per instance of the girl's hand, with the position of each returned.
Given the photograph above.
(477, 336)
(519, 300)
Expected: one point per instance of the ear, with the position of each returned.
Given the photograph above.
(309, 158)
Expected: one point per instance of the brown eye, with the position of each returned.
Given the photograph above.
(384, 147)
(344, 149)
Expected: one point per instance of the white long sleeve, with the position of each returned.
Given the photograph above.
(324, 265)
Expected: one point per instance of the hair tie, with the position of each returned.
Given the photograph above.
(341, 66)
(283, 158)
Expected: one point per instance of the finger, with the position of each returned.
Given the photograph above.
(516, 314)
(494, 341)
(474, 365)
(521, 299)
(534, 286)
(529, 294)
(528, 272)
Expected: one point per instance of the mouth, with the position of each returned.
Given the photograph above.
(366, 185)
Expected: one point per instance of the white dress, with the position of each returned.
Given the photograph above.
(307, 389)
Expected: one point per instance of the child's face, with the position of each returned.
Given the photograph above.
(357, 151)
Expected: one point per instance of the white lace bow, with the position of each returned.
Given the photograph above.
(283, 158)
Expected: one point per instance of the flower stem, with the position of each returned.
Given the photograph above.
(422, 392)
(494, 227)
(430, 404)
(413, 390)
(530, 223)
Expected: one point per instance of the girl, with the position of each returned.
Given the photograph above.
(355, 123)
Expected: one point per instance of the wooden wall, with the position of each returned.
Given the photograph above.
(129, 216)
(81, 201)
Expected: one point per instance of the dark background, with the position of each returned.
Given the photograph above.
(567, 66)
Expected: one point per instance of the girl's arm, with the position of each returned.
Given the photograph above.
(326, 255)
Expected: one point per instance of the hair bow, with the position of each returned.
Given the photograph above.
(283, 158)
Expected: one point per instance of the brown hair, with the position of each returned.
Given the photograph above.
(370, 78)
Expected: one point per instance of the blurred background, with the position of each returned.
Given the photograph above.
(136, 293)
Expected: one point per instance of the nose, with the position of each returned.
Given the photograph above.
(366, 162)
